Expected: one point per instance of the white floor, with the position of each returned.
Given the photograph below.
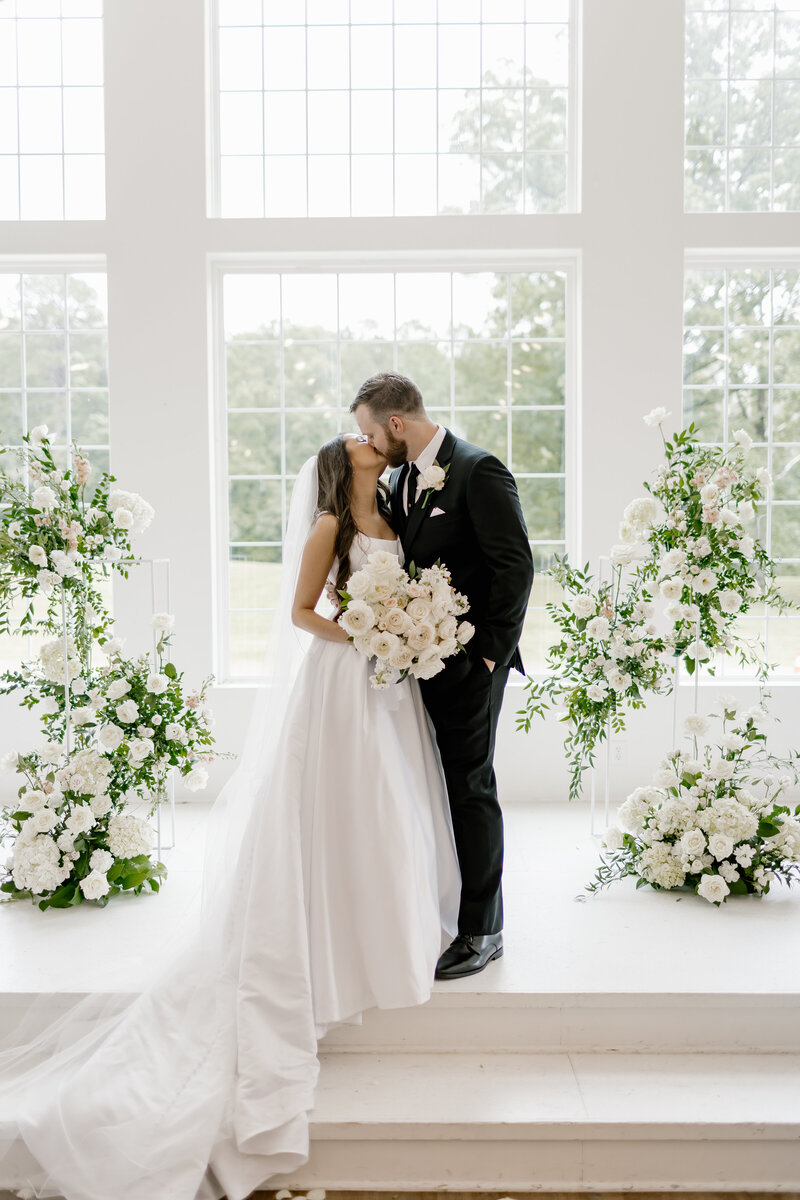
(618, 941)
(629, 1040)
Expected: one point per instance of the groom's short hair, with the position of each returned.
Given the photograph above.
(389, 394)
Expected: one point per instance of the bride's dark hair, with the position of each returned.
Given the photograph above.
(334, 495)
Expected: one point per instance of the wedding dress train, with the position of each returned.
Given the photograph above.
(346, 889)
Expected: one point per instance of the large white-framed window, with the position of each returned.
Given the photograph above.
(52, 136)
(490, 342)
(742, 371)
(742, 116)
(393, 107)
(53, 371)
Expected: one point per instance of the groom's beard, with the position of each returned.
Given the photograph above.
(396, 451)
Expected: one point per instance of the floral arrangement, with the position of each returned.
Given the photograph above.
(712, 821)
(607, 658)
(692, 564)
(48, 535)
(407, 621)
(697, 535)
(131, 720)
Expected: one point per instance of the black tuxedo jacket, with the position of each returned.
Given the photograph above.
(480, 535)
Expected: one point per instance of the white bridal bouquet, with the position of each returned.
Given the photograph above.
(407, 621)
(713, 821)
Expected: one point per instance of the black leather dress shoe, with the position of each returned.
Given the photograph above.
(468, 954)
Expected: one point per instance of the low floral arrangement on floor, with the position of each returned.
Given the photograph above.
(712, 821)
(688, 566)
(608, 657)
(131, 720)
(407, 621)
(49, 533)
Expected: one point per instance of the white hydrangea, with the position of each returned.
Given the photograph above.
(37, 865)
(129, 836)
(659, 864)
(140, 511)
(87, 770)
(51, 655)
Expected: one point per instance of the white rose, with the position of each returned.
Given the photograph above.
(696, 725)
(623, 555)
(672, 561)
(729, 601)
(111, 553)
(44, 498)
(157, 683)
(743, 439)
(109, 737)
(127, 711)
(764, 478)
(357, 618)
(38, 434)
(420, 637)
(429, 663)
(656, 416)
(80, 819)
(101, 860)
(583, 606)
(671, 589)
(397, 621)
(720, 846)
(38, 555)
(419, 609)
(100, 804)
(402, 658)
(174, 732)
(598, 628)
(197, 778)
(613, 839)
(596, 692)
(162, 621)
(123, 518)
(693, 842)
(721, 768)
(358, 585)
(82, 715)
(713, 888)
(95, 885)
(465, 632)
(139, 749)
(382, 645)
(433, 477)
(704, 582)
(118, 688)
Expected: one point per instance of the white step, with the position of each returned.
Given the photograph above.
(559, 1122)
(583, 1022)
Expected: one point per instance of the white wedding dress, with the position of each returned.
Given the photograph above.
(346, 891)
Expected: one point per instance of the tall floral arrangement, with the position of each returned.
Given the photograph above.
(689, 563)
(132, 721)
(696, 530)
(608, 656)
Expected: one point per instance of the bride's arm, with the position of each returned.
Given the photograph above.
(317, 561)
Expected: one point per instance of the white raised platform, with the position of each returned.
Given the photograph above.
(633, 1040)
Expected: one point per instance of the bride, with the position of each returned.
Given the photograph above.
(330, 886)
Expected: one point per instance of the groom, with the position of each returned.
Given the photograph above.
(455, 502)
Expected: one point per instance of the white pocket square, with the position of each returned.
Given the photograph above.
(437, 512)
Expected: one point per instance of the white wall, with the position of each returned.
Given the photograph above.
(630, 241)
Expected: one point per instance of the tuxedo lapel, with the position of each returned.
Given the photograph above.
(418, 513)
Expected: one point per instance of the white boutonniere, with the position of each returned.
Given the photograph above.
(434, 478)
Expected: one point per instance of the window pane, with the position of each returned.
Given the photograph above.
(448, 331)
(51, 112)
(485, 93)
(742, 98)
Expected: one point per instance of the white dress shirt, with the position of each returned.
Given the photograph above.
(424, 460)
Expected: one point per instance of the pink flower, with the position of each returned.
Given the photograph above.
(711, 516)
(82, 468)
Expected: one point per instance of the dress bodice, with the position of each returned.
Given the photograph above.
(364, 545)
